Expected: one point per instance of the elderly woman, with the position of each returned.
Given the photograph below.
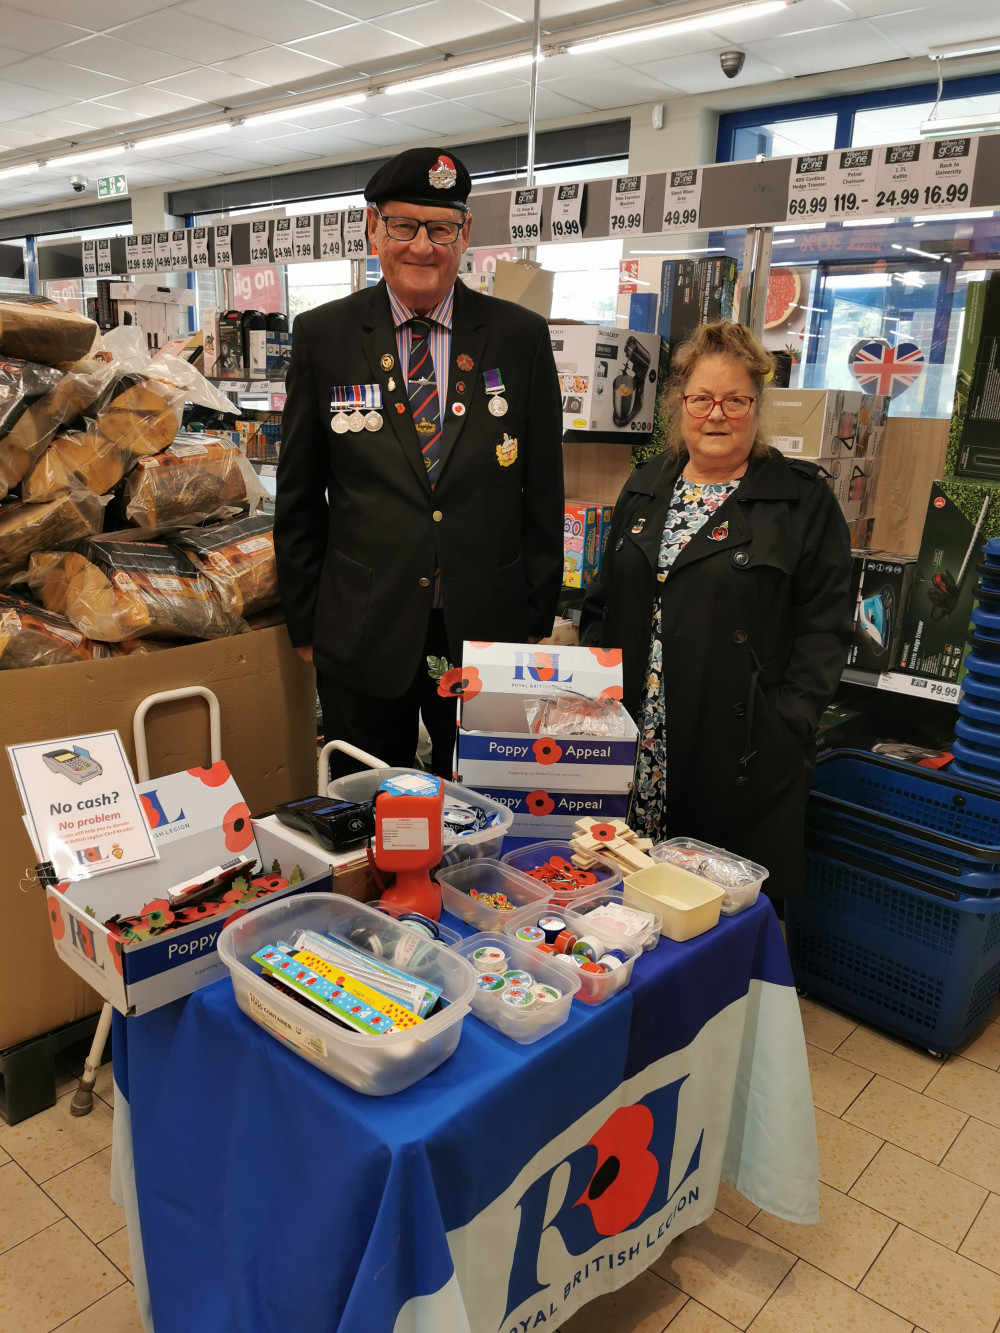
(725, 582)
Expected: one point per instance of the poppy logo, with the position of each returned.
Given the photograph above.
(539, 803)
(547, 751)
(460, 683)
(237, 827)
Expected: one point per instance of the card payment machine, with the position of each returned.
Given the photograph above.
(73, 763)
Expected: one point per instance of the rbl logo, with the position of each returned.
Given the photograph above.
(83, 939)
(156, 816)
(541, 667)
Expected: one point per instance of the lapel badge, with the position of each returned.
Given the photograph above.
(464, 362)
(400, 408)
(460, 386)
(458, 409)
(392, 384)
(507, 450)
(442, 174)
(388, 361)
(638, 525)
(720, 533)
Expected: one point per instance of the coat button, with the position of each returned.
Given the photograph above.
(437, 516)
(619, 543)
(739, 636)
(740, 710)
(604, 613)
(742, 780)
(741, 558)
(424, 583)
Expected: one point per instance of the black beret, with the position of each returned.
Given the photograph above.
(425, 176)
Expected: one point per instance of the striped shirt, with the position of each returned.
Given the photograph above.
(439, 337)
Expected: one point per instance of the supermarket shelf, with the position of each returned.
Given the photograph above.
(898, 682)
(264, 395)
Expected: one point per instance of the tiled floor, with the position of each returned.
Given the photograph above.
(908, 1239)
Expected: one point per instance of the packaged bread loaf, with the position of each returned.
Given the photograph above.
(29, 527)
(113, 588)
(30, 636)
(36, 329)
(238, 560)
(197, 478)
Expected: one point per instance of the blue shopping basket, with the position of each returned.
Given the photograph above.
(946, 829)
(911, 958)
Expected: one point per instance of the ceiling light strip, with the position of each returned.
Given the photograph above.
(695, 23)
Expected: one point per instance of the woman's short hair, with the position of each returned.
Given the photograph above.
(724, 339)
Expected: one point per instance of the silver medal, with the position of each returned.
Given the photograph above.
(356, 421)
(339, 423)
(373, 421)
(498, 405)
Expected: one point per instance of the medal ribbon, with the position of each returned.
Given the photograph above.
(355, 396)
(493, 381)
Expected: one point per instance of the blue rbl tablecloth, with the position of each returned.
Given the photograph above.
(497, 1195)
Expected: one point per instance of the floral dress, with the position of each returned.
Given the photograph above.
(690, 507)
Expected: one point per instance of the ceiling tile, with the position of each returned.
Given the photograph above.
(182, 34)
(374, 9)
(100, 14)
(32, 33)
(699, 73)
(383, 104)
(380, 132)
(108, 55)
(813, 53)
(444, 22)
(442, 119)
(100, 116)
(276, 65)
(868, 8)
(513, 104)
(8, 55)
(913, 33)
(524, 10)
(209, 81)
(613, 88)
(142, 102)
(284, 23)
(55, 77)
(29, 100)
(804, 16)
(361, 46)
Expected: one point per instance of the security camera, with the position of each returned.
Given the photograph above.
(79, 183)
(732, 62)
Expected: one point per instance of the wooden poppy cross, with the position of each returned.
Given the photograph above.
(612, 838)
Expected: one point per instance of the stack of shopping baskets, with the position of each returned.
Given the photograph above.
(977, 731)
(899, 919)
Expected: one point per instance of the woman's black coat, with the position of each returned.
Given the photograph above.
(756, 623)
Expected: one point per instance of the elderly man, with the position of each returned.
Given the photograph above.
(420, 492)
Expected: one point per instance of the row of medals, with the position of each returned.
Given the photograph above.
(358, 420)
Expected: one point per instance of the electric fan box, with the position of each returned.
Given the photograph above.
(883, 593)
(607, 378)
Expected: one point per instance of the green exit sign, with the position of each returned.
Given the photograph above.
(107, 186)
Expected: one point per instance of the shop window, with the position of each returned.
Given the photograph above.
(897, 124)
(782, 138)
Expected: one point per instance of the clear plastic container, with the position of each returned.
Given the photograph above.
(363, 785)
(486, 875)
(688, 904)
(594, 988)
(375, 1065)
(523, 1025)
(445, 933)
(585, 903)
(734, 900)
(537, 853)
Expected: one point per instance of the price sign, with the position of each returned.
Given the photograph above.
(840, 184)
(133, 260)
(147, 252)
(163, 252)
(260, 246)
(899, 179)
(302, 239)
(199, 247)
(355, 233)
(104, 258)
(331, 244)
(222, 239)
(948, 173)
(921, 687)
(567, 206)
(628, 199)
(284, 249)
(179, 249)
(525, 216)
(682, 199)
(90, 259)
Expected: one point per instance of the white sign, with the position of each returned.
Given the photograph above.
(567, 206)
(853, 173)
(682, 199)
(951, 164)
(920, 687)
(223, 242)
(302, 238)
(104, 269)
(284, 248)
(133, 259)
(179, 249)
(628, 199)
(260, 246)
(899, 179)
(163, 251)
(525, 216)
(82, 807)
(90, 259)
(199, 247)
(147, 252)
(331, 245)
(355, 233)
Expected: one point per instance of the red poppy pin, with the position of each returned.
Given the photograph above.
(400, 408)
(720, 533)
(464, 361)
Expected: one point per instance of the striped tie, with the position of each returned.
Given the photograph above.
(422, 390)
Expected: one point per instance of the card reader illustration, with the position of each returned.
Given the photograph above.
(74, 763)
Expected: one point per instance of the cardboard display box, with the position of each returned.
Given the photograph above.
(882, 596)
(822, 424)
(607, 377)
(548, 782)
(974, 440)
(525, 283)
(267, 702)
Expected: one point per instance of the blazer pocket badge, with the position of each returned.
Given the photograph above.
(507, 450)
(720, 533)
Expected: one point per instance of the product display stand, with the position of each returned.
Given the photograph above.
(344, 747)
(83, 1098)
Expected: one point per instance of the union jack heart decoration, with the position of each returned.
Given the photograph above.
(881, 368)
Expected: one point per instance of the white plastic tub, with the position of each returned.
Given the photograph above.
(485, 875)
(585, 903)
(363, 785)
(734, 900)
(374, 1065)
(523, 1025)
(536, 854)
(688, 904)
(594, 989)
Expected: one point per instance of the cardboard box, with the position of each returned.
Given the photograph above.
(607, 377)
(198, 825)
(267, 703)
(278, 353)
(968, 353)
(680, 300)
(825, 423)
(210, 330)
(979, 447)
(961, 516)
(548, 782)
(717, 287)
(581, 543)
(883, 592)
(525, 283)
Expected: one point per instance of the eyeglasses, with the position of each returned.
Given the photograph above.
(735, 406)
(406, 229)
